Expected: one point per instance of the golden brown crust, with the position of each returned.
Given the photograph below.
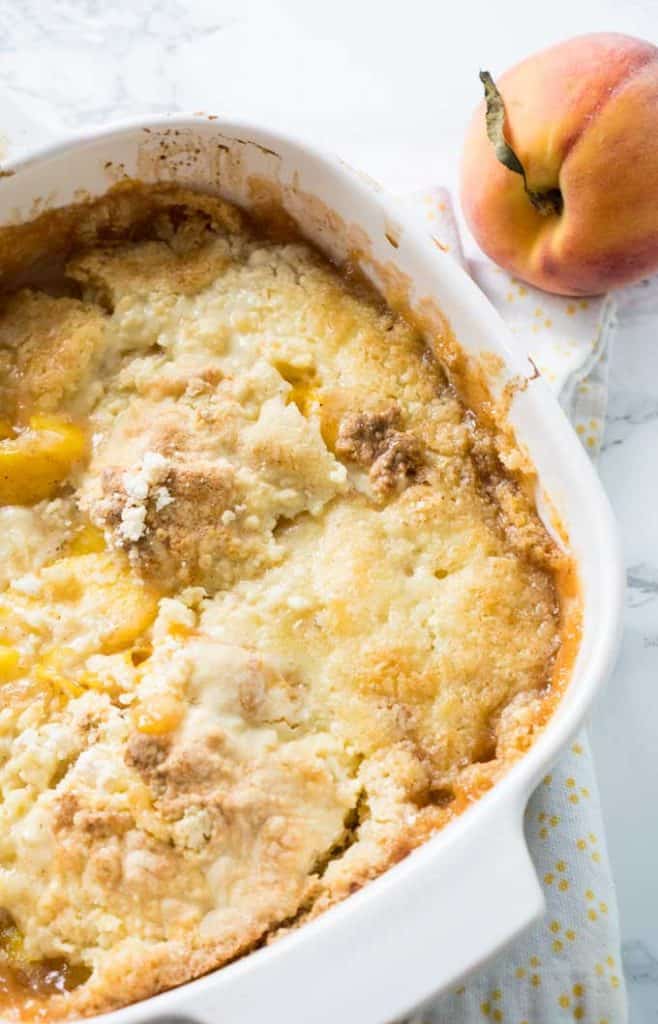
(252, 684)
(40, 370)
(393, 457)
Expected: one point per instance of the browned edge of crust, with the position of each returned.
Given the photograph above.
(36, 251)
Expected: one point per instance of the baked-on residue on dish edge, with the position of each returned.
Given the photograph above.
(270, 610)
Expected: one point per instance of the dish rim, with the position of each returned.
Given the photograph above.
(509, 796)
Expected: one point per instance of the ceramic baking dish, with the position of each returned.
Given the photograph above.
(469, 890)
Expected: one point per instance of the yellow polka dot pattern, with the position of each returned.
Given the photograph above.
(567, 967)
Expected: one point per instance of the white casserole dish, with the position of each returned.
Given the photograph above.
(472, 888)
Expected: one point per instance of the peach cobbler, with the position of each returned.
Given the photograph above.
(272, 610)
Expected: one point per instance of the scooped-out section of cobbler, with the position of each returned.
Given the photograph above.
(270, 611)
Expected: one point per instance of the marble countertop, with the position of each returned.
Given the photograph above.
(390, 87)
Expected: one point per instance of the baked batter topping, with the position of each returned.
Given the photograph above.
(270, 610)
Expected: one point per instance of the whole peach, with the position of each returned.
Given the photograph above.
(582, 120)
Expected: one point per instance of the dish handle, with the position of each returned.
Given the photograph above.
(414, 932)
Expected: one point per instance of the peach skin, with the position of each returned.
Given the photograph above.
(578, 123)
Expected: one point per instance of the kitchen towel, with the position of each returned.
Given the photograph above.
(568, 966)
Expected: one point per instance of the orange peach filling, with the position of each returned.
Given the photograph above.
(37, 459)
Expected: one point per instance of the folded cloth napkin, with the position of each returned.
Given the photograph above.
(568, 966)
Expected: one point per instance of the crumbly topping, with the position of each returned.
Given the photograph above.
(162, 499)
(287, 618)
(137, 484)
(394, 457)
(28, 584)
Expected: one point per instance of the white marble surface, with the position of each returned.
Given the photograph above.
(390, 86)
